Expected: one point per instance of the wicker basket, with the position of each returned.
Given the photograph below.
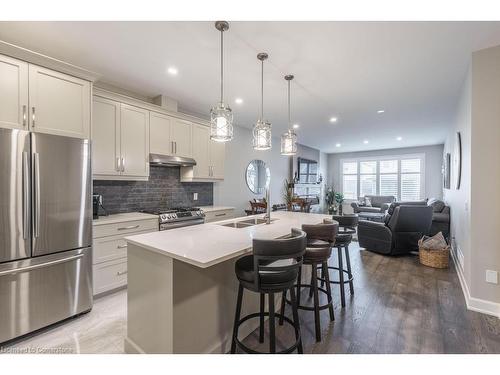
(434, 258)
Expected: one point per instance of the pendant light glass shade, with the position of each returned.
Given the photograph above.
(289, 138)
(289, 143)
(221, 116)
(262, 135)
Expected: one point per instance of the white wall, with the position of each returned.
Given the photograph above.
(475, 207)
(433, 164)
(233, 191)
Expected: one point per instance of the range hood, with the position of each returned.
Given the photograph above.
(171, 161)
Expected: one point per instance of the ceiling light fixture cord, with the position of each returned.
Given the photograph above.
(222, 66)
(262, 91)
(289, 116)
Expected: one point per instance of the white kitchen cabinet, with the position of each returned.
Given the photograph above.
(180, 136)
(13, 93)
(105, 137)
(110, 248)
(216, 158)
(58, 103)
(134, 134)
(209, 156)
(120, 141)
(159, 134)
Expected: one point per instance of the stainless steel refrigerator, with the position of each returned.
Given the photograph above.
(45, 230)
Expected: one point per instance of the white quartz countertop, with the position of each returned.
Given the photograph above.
(211, 243)
(121, 218)
(216, 208)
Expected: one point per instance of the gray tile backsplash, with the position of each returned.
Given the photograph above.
(163, 190)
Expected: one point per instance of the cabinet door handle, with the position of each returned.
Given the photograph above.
(172, 147)
(220, 214)
(123, 164)
(129, 227)
(120, 273)
(24, 115)
(33, 116)
(175, 143)
(118, 166)
(121, 247)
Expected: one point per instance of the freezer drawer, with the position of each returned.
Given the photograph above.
(37, 292)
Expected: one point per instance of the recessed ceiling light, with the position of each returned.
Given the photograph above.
(338, 145)
(381, 111)
(365, 141)
(399, 138)
(238, 101)
(296, 126)
(172, 70)
(333, 119)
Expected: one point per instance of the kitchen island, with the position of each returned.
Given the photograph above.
(182, 287)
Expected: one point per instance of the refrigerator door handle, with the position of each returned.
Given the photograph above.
(41, 265)
(25, 195)
(36, 167)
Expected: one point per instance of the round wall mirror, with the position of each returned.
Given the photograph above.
(258, 176)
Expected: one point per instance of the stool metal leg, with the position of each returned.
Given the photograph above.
(317, 322)
(295, 312)
(237, 318)
(299, 281)
(272, 333)
(282, 311)
(312, 282)
(324, 270)
(348, 261)
(341, 277)
(261, 326)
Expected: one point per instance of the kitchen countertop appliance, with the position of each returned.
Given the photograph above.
(45, 230)
(178, 217)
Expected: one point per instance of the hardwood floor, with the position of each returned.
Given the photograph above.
(399, 306)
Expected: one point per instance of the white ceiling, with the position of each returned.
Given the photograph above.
(412, 70)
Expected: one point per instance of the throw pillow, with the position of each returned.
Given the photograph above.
(436, 204)
(368, 202)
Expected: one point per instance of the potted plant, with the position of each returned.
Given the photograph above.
(339, 199)
(287, 193)
(330, 201)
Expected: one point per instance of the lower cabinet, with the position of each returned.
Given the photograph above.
(110, 252)
(211, 216)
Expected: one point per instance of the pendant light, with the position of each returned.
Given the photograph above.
(289, 138)
(262, 129)
(221, 116)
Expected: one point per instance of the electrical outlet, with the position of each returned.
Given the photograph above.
(195, 196)
(491, 277)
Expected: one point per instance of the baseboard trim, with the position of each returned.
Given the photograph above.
(474, 304)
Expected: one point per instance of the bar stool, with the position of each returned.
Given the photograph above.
(320, 238)
(348, 224)
(272, 268)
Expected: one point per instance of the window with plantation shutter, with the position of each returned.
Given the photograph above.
(400, 176)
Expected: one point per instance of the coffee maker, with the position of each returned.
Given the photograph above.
(96, 204)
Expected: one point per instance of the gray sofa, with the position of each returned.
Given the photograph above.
(379, 204)
(400, 233)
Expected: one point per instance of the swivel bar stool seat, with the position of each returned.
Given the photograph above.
(320, 238)
(272, 268)
(348, 224)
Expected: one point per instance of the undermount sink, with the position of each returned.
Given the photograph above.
(245, 223)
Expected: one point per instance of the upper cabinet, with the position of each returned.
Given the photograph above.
(209, 156)
(13, 93)
(59, 103)
(120, 141)
(169, 135)
(42, 100)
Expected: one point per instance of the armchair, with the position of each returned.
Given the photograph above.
(380, 204)
(400, 234)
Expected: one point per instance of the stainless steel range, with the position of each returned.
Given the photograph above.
(179, 217)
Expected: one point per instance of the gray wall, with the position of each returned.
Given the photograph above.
(163, 190)
(233, 191)
(433, 164)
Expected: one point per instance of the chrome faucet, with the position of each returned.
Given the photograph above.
(267, 216)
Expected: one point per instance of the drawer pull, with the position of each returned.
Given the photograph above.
(129, 227)
(220, 214)
(121, 247)
(120, 273)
